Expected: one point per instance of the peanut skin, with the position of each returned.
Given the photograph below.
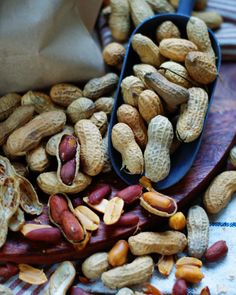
(57, 206)
(71, 227)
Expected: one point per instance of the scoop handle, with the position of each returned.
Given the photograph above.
(186, 7)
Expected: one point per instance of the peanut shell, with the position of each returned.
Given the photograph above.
(164, 243)
(104, 104)
(64, 94)
(220, 192)
(147, 50)
(192, 115)
(136, 272)
(29, 136)
(41, 101)
(129, 115)
(62, 278)
(167, 30)
(98, 87)
(140, 10)
(8, 103)
(176, 49)
(157, 152)
(91, 152)
(49, 183)
(200, 67)
(131, 88)
(20, 116)
(171, 93)
(149, 105)
(95, 265)
(119, 21)
(198, 231)
(37, 159)
(124, 142)
(81, 108)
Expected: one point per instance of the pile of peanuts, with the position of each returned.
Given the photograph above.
(122, 14)
(60, 137)
(133, 262)
(165, 102)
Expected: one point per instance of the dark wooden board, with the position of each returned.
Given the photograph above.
(218, 138)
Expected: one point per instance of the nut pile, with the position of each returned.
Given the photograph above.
(165, 101)
(123, 14)
(61, 137)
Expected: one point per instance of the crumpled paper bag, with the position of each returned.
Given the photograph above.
(46, 42)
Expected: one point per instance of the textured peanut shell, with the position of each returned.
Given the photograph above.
(212, 19)
(176, 49)
(29, 136)
(51, 146)
(8, 205)
(129, 115)
(131, 88)
(20, 168)
(140, 70)
(64, 94)
(171, 93)
(164, 243)
(10, 196)
(140, 10)
(41, 101)
(107, 164)
(81, 108)
(157, 152)
(176, 73)
(197, 32)
(8, 103)
(61, 280)
(198, 231)
(220, 192)
(136, 272)
(149, 105)
(100, 120)
(17, 221)
(95, 265)
(98, 87)
(49, 183)
(192, 115)
(160, 6)
(157, 212)
(113, 54)
(119, 21)
(104, 104)
(167, 30)
(200, 67)
(20, 116)
(29, 200)
(147, 50)
(37, 159)
(124, 142)
(91, 152)
(59, 162)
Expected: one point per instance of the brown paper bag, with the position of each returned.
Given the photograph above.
(45, 42)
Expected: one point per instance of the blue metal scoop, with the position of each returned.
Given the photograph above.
(182, 160)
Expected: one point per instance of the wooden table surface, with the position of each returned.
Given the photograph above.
(218, 138)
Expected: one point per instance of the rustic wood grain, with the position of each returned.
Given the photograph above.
(218, 139)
